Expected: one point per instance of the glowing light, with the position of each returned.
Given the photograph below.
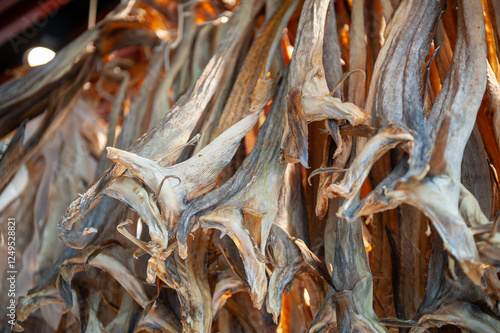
(229, 3)
(307, 299)
(368, 246)
(428, 230)
(40, 56)
(139, 229)
(224, 19)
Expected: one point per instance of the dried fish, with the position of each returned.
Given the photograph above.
(245, 206)
(443, 185)
(169, 129)
(204, 221)
(395, 98)
(308, 97)
(176, 185)
(253, 88)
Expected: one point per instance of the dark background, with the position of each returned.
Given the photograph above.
(50, 23)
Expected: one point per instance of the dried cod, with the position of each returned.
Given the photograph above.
(204, 220)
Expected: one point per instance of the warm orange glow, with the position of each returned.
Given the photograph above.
(490, 40)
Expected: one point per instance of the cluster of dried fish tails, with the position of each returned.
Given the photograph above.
(260, 166)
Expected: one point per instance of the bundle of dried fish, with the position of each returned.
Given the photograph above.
(308, 98)
(194, 116)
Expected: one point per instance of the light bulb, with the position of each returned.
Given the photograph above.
(40, 56)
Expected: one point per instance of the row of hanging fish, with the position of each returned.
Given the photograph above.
(261, 166)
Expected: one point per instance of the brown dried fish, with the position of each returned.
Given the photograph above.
(253, 88)
(207, 222)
